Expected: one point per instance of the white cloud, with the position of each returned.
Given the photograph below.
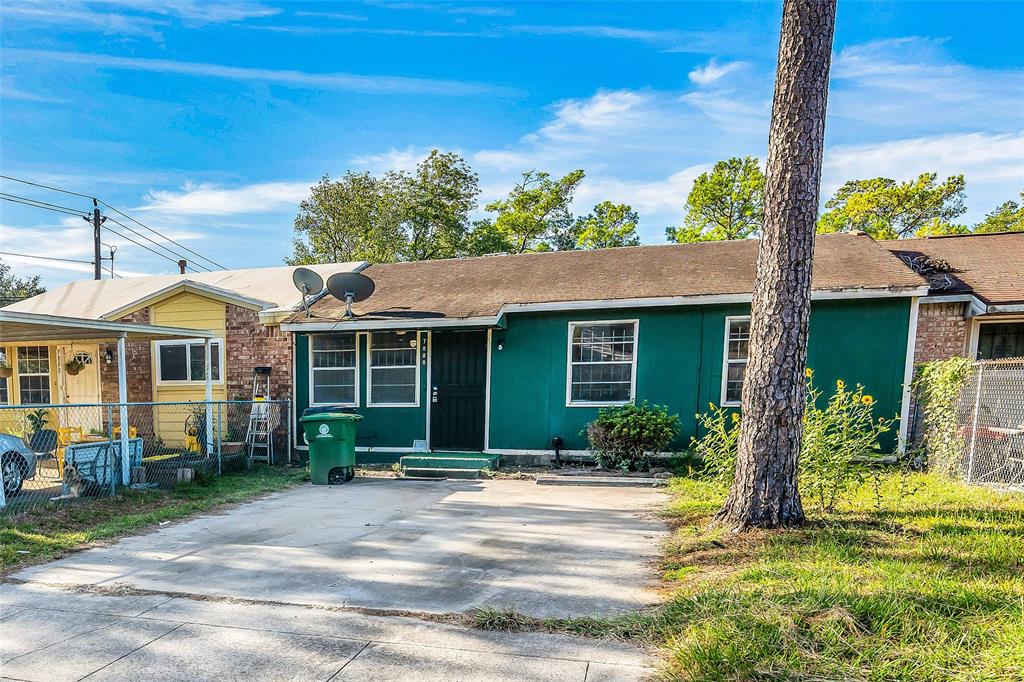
(911, 82)
(393, 159)
(299, 79)
(210, 200)
(713, 71)
(992, 164)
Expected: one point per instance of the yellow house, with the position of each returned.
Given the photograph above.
(242, 308)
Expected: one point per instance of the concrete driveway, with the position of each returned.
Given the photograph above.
(437, 547)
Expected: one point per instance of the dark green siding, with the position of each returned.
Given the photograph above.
(679, 364)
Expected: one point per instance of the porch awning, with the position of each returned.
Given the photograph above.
(16, 327)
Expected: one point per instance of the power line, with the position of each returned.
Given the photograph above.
(36, 184)
(29, 255)
(177, 256)
(141, 245)
(39, 204)
(124, 215)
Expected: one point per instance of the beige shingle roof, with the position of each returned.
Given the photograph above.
(479, 287)
(989, 265)
(95, 299)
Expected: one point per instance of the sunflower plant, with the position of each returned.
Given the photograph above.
(840, 442)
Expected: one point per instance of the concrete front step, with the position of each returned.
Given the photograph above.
(434, 472)
(474, 462)
(609, 481)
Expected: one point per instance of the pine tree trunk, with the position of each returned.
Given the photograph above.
(764, 493)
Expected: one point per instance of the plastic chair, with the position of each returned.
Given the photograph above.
(44, 443)
(133, 432)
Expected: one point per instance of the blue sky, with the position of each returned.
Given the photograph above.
(210, 120)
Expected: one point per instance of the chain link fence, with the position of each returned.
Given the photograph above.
(57, 454)
(990, 423)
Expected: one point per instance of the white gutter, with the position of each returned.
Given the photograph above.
(1009, 308)
(411, 323)
(102, 326)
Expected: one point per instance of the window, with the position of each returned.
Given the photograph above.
(34, 375)
(333, 369)
(394, 369)
(602, 362)
(183, 361)
(5, 396)
(1000, 340)
(737, 347)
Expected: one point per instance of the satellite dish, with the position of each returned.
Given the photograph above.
(308, 282)
(350, 287)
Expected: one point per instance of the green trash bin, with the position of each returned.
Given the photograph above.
(331, 436)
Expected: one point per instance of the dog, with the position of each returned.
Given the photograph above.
(74, 483)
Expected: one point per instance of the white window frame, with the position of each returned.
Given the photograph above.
(569, 363)
(18, 374)
(355, 393)
(726, 361)
(975, 330)
(369, 370)
(157, 345)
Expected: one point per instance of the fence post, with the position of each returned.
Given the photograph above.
(220, 437)
(288, 431)
(3, 489)
(110, 445)
(974, 425)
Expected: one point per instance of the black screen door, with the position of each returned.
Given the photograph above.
(457, 390)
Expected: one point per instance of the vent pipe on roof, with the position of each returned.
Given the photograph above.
(181, 265)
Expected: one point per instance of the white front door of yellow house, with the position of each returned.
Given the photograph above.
(80, 388)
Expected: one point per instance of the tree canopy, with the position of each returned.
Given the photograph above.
(398, 216)
(536, 209)
(1007, 217)
(14, 288)
(724, 203)
(887, 209)
(608, 225)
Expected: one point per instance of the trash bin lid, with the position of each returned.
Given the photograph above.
(329, 413)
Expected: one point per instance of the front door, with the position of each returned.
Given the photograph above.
(458, 387)
(82, 388)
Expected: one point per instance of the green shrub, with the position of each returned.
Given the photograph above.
(937, 386)
(624, 437)
(840, 440)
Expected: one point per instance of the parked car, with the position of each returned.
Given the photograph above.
(17, 463)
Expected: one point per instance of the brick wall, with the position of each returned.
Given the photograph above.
(250, 344)
(138, 363)
(941, 331)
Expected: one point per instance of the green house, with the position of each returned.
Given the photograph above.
(504, 354)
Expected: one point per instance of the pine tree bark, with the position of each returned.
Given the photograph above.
(764, 492)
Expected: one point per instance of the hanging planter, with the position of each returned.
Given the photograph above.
(5, 369)
(74, 366)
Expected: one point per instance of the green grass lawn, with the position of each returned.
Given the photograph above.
(925, 587)
(45, 533)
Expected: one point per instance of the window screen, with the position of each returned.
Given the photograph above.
(601, 360)
(333, 369)
(34, 375)
(737, 344)
(393, 368)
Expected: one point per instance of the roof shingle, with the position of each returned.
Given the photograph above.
(478, 287)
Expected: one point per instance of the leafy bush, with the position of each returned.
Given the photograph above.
(839, 442)
(717, 449)
(937, 387)
(624, 437)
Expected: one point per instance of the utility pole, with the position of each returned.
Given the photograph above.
(97, 259)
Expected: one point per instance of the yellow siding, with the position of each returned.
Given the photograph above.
(192, 312)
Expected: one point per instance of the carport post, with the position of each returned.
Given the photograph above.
(122, 397)
(209, 397)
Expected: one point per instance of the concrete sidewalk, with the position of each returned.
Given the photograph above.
(54, 635)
